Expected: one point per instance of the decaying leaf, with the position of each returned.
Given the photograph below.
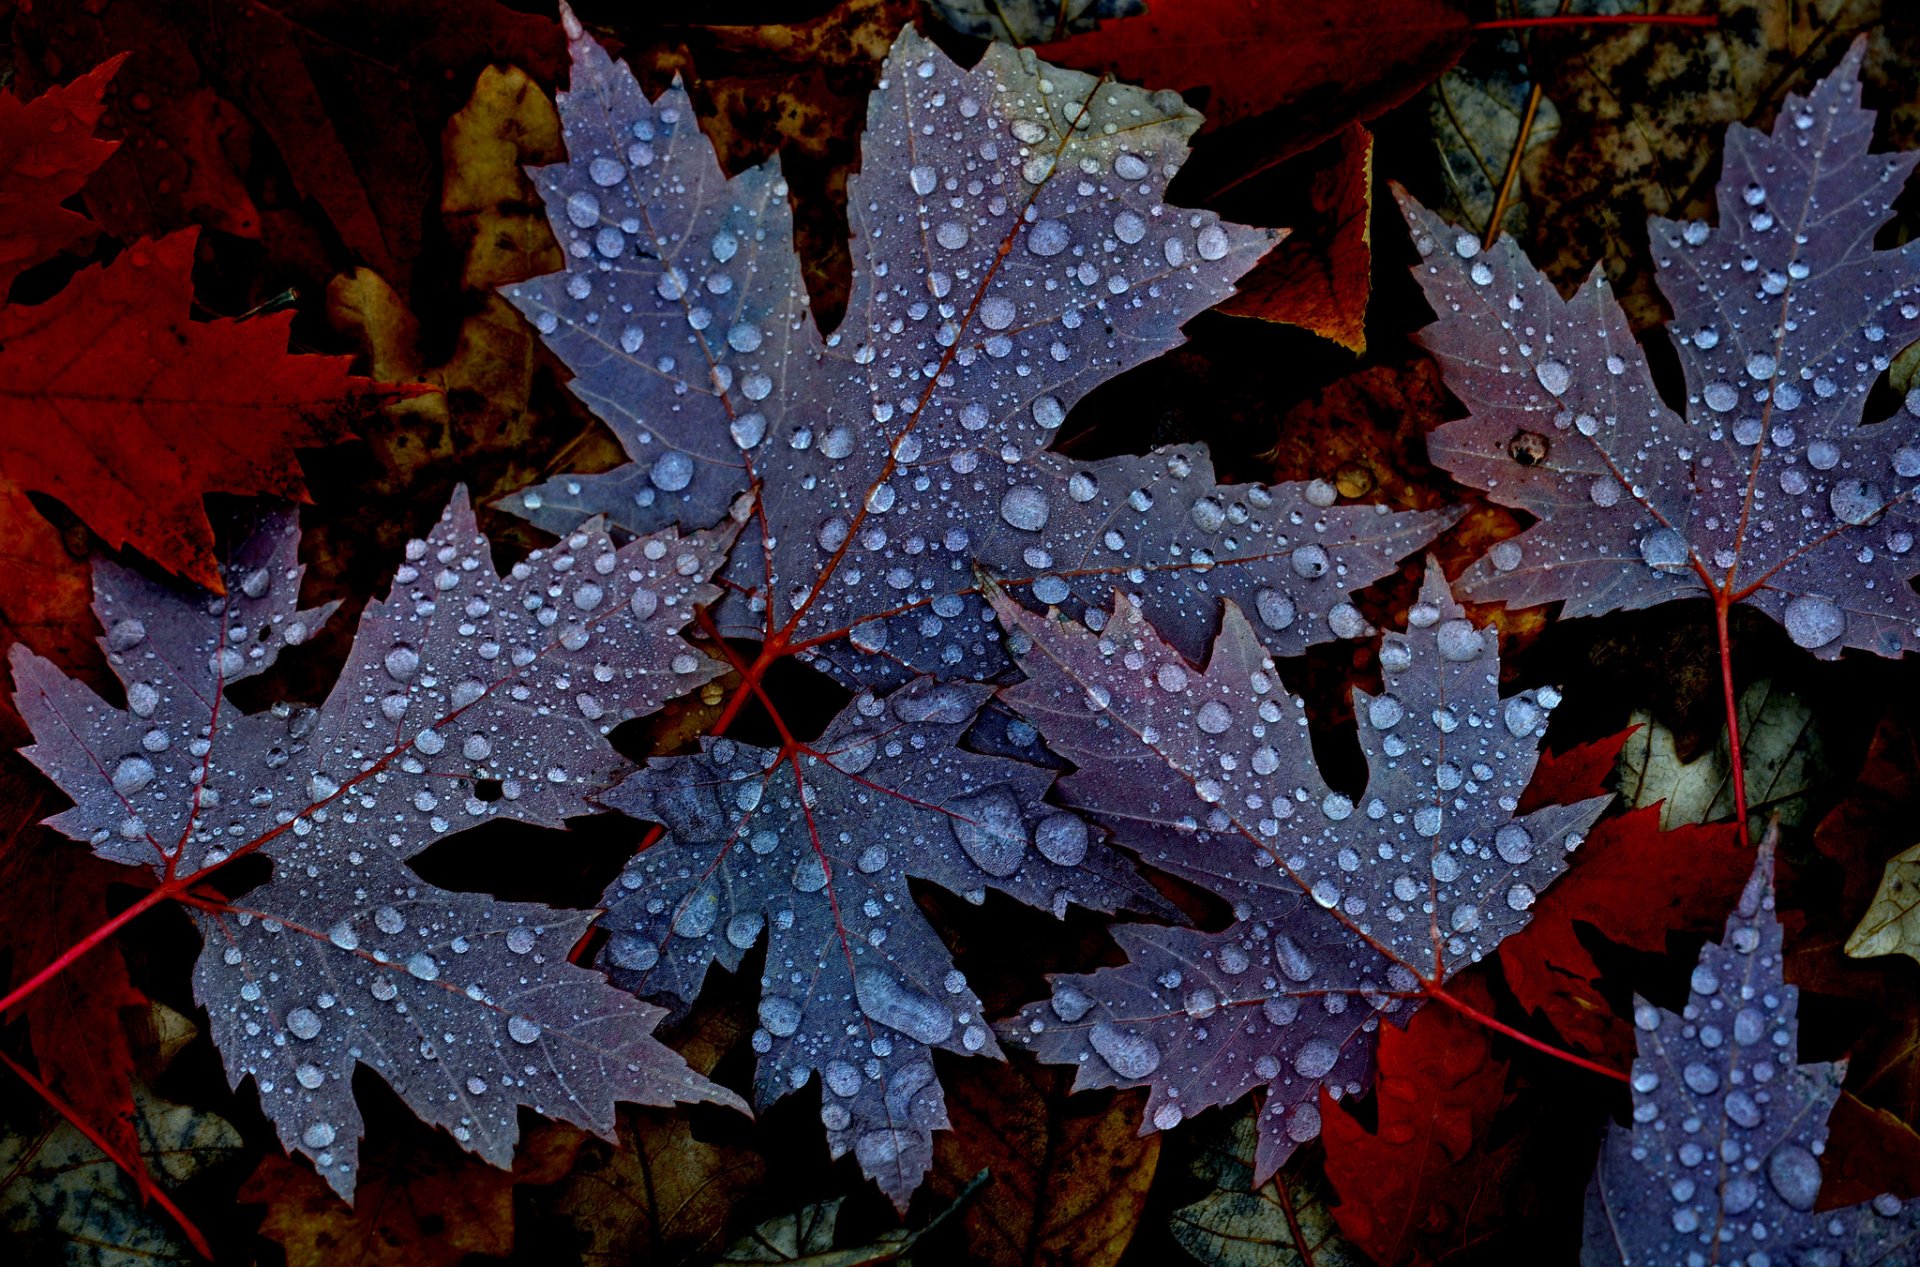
(460, 683)
(1781, 748)
(421, 1202)
(1348, 909)
(64, 1201)
(1771, 489)
(1030, 21)
(1891, 926)
(1722, 1162)
(1320, 276)
(1283, 1222)
(1067, 1176)
(47, 150)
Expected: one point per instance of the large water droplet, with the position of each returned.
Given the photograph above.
(900, 1007)
(1813, 621)
(989, 828)
(1026, 508)
(1128, 1054)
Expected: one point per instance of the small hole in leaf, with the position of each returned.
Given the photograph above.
(486, 790)
(1528, 448)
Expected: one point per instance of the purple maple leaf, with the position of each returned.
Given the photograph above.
(1771, 487)
(459, 678)
(1722, 1162)
(1012, 250)
(1347, 909)
(813, 851)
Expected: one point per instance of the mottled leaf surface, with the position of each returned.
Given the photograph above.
(1011, 252)
(813, 851)
(1770, 487)
(467, 696)
(1722, 1162)
(1348, 909)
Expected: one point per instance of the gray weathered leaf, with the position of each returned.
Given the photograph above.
(1348, 909)
(459, 682)
(1030, 21)
(813, 851)
(1722, 1162)
(1283, 1222)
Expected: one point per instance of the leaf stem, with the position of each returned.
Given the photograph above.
(153, 897)
(1501, 1027)
(133, 1166)
(1722, 606)
(1706, 20)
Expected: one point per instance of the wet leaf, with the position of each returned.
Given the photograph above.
(1723, 1157)
(1348, 909)
(1283, 1222)
(1771, 489)
(467, 1005)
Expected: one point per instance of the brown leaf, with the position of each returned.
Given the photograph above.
(1319, 277)
(421, 1201)
(1069, 1173)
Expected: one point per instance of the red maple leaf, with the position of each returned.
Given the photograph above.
(1419, 1175)
(1319, 67)
(129, 412)
(47, 151)
(1630, 879)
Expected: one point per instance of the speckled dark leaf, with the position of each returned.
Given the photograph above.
(1030, 21)
(1722, 1162)
(1011, 252)
(1771, 487)
(459, 678)
(814, 853)
(1347, 909)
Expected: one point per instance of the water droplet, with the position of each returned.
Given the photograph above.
(132, 774)
(304, 1023)
(997, 312)
(1554, 376)
(923, 179)
(1211, 242)
(1061, 839)
(1664, 550)
(1316, 1058)
(671, 471)
(1026, 508)
(317, 1135)
(1813, 622)
(1132, 1056)
(522, 1029)
(989, 828)
(1795, 1175)
(900, 1007)
(605, 172)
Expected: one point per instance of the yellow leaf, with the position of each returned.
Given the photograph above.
(1891, 925)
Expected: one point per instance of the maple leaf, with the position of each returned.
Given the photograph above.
(1316, 66)
(813, 849)
(1012, 251)
(1722, 1162)
(343, 100)
(129, 412)
(458, 682)
(47, 150)
(1030, 21)
(1770, 489)
(1348, 909)
(1420, 1179)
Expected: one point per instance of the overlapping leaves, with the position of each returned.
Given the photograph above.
(1772, 487)
(466, 697)
(813, 852)
(1348, 909)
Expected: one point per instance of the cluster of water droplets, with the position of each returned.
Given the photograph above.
(1785, 317)
(1339, 897)
(1722, 1161)
(815, 860)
